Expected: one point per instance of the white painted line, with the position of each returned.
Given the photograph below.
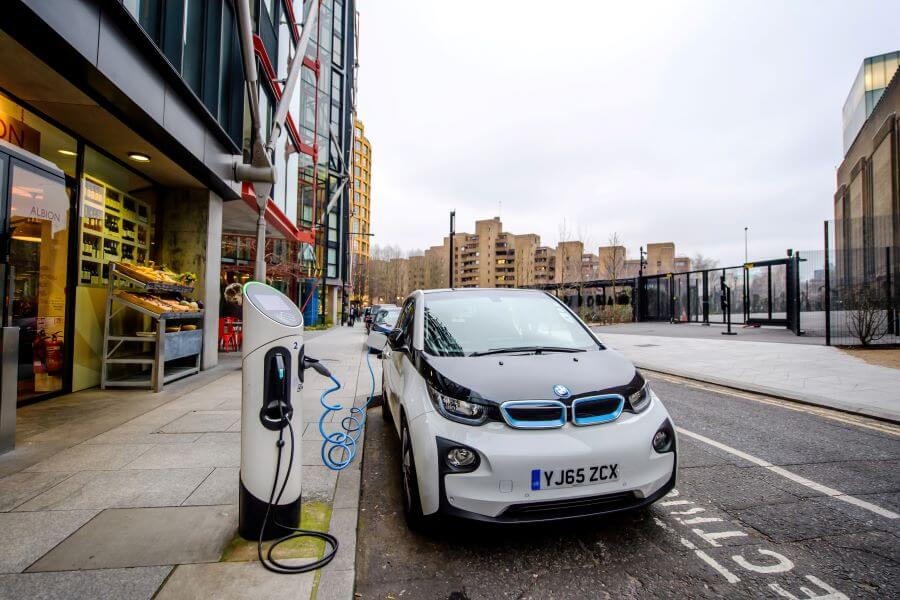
(728, 575)
(824, 489)
(717, 535)
(675, 503)
(690, 511)
(699, 520)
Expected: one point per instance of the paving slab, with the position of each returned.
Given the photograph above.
(335, 584)
(141, 537)
(25, 537)
(195, 456)
(202, 421)
(220, 487)
(136, 434)
(92, 457)
(101, 584)
(20, 487)
(120, 489)
(235, 581)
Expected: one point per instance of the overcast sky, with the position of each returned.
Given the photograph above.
(678, 121)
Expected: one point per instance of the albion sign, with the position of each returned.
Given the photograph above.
(19, 134)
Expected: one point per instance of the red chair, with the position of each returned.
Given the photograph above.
(228, 341)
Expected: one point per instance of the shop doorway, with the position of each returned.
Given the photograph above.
(34, 213)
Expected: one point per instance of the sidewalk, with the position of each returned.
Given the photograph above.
(134, 495)
(809, 373)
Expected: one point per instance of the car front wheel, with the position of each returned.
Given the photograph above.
(412, 504)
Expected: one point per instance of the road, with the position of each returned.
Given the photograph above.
(774, 499)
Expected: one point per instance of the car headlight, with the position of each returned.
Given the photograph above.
(640, 400)
(458, 410)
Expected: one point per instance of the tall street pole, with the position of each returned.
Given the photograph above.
(452, 232)
(746, 257)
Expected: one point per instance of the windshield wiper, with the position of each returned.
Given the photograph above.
(534, 349)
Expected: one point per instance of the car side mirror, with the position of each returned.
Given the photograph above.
(395, 340)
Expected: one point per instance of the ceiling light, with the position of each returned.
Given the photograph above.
(138, 157)
(68, 152)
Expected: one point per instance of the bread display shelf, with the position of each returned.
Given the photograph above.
(148, 357)
(151, 279)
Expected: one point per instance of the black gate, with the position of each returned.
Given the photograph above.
(771, 293)
(762, 293)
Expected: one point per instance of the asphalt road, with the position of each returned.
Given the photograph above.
(754, 515)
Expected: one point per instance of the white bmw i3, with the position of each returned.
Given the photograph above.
(510, 410)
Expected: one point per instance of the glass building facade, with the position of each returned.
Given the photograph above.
(873, 77)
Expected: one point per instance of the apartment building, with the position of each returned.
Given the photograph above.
(491, 257)
(436, 267)
(360, 214)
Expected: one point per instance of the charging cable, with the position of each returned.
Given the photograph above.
(343, 441)
(269, 562)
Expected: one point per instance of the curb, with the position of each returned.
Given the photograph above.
(847, 407)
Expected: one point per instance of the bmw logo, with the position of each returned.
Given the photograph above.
(561, 391)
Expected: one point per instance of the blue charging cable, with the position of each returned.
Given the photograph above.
(344, 442)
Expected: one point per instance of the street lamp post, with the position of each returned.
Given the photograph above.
(746, 234)
(452, 232)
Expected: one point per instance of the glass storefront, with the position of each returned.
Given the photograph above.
(39, 234)
(36, 200)
(54, 297)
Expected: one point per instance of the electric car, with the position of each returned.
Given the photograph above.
(510, 410)
(382, 324)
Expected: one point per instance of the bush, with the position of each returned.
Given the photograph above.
(867, 311)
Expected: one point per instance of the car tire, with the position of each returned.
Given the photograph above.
(385, 405)
(409, 482)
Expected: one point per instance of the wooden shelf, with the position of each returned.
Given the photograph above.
(168, 346)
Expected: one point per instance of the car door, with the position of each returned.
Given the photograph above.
(394, 363)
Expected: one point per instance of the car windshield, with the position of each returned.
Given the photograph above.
(494, 321)
(388, 317)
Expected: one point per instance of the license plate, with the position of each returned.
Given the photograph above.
(561, 478)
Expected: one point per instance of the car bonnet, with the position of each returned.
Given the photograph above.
(497, 378)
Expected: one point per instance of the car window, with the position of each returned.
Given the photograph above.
(388, 318)
(405, 321)
(460, 323)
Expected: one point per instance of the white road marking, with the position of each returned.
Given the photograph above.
(675, 503)
(663, 525)
(728, 575)
(717, 535)
(831, 593)
(699, 520)
(789, 475)
(690, 511)
(783, 565)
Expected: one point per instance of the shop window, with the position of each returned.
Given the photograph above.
(38, 220)
(192, 44)
(118, 218)
(231, 91)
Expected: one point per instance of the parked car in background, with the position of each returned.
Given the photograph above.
(373, 311)
(382, 324)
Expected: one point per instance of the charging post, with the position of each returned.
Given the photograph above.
(271, 373)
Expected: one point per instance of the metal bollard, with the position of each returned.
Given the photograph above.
(9, 373)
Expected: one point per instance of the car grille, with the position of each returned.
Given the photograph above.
(593, 410)
(571, 507)
(534, 414)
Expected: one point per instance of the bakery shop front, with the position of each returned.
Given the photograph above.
(84, 273)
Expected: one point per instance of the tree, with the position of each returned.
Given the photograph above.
(867, 314)
(702, 263)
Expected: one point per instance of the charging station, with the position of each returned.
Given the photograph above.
(272, 377)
